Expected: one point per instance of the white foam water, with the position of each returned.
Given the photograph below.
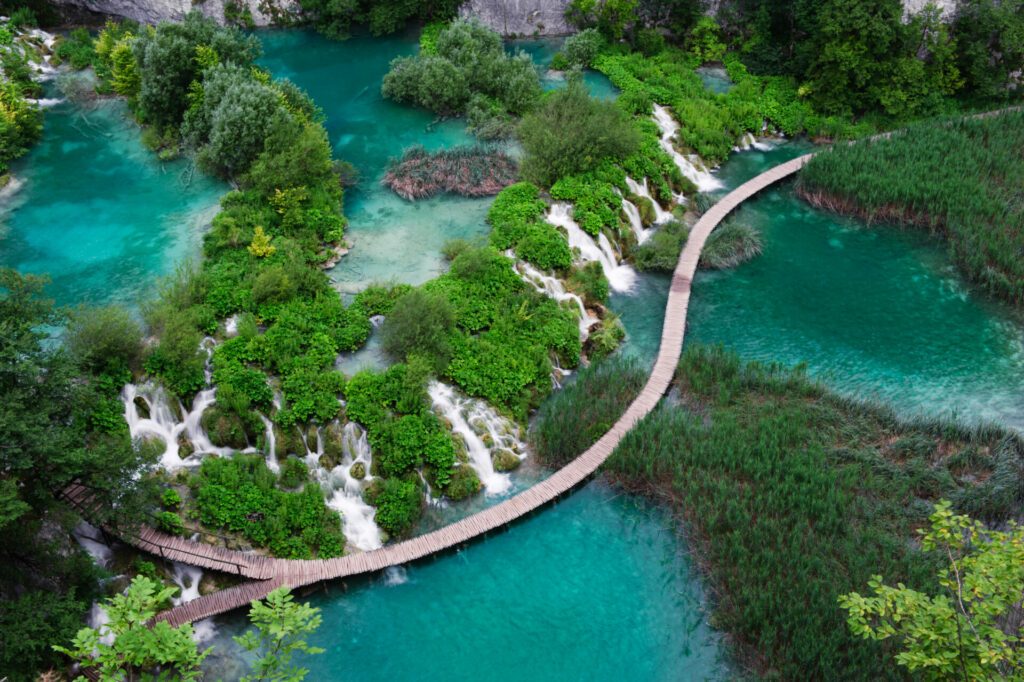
(471, 419)
(620, 277)
(551, 286)
(636, 223)
(346, 492)
(661, 216)
(700, 177)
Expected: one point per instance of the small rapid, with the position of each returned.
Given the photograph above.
(701, 177)
(661, 216)
(620, 277)
(475, 422)
(345, 490)
(551, 286)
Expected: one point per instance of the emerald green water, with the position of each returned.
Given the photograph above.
(877, 312)
(98, 212)
(595, 588)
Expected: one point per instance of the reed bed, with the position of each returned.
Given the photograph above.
(793, 495)
(961, 179)
(470, 171)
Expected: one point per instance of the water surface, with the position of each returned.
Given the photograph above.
(97, 211)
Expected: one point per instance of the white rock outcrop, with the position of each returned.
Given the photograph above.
(520, 17)
(263, 12)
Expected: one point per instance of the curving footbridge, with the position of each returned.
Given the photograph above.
(265, 574)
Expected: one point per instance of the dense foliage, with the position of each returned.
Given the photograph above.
(771, 470)
(60, 422)
(21, 121)
(242, 495)
(969, 629)
(468, 64)
(467, 171)
(570, 132)
(958, 178)
(516, 219)
(336, 19)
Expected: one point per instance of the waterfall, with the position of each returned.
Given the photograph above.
(46, 102)
(270, 442)
(357, 517)
(187, 578)
(620, 277)
(87, 537)
(635, 221)
(661, 216)
(748, 141)
(553, 287)
(704, 180)
(472, 419)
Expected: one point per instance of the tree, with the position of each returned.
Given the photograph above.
(281, 624)
(137, 648)
(570, 132)
(990, 37)
(971, 628)
(421, 323)
(104, 340)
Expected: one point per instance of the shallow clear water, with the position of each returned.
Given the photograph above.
(715, 78)
(878, 312)
(594, 588)
(98, 211)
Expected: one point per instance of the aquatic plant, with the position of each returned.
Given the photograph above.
(769, 469)
(729, 245)
(576, 416)
(956, 178)
(467, 171)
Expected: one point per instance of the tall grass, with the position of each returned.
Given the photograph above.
(574, 418)
(795, 495)
(959, 178)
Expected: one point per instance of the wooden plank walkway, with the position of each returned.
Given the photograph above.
(273, 573)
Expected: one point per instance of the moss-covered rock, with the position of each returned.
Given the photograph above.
(504, 460)
(464, 483)
(185, 447)
(224, 428)
(289, 442)
(357, 471)
(142, 406)
(332, 445)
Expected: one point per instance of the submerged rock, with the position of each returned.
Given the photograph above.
(357, 471)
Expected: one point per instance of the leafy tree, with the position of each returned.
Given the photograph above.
(969, 630)
(281, 625)
(582, 49)
(571, 132)
(137, 648)
(990, 38)
(421, 323)
(104, 340)
(610, 17)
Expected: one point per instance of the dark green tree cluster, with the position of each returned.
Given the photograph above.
(21, 121)
(865, 56)
(59, 423)
(468, 71)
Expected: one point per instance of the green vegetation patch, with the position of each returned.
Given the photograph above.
(958, 178)
(796, 496)
(240, 494)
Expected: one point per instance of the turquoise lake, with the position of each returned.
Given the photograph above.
(98, 212)
(599, 586)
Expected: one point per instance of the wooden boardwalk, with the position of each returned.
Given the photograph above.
(268, 574)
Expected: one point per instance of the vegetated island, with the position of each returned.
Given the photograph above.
(467, 171)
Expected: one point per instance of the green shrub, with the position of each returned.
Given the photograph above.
(590, 283)
(169, 522)
(399, 504)
(582, 48)
(240, 494)
(729, 245)
(294, 473)
(661, 251)
(104, 340)
(464, 483)
(76, 49)
(570, 132)
(170, 498)
(514, 209)
(420, 323)
(544, 246)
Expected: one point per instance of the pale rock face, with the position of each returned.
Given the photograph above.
(264, 12)
(520, 17)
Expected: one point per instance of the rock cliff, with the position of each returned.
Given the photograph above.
(520, 17)
(262, 12)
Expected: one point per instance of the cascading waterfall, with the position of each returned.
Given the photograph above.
(270, 442)
(188, 578)
(748, 141)
(553, 287)
(620, 277)
(704, 180)
(346, 491)
(473, 419)
(635, 221)
(661, 216)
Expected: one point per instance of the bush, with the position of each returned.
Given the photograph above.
(464, 483)
(170, 498)
(590, 283)
(294, 473)
(570, 133)
(544, 246)
(514, 209)
(421, 324)
(240, 494)
(104, 340)
(76, 49)
(170, 523)
(661, 251)
(581, 50)
(399, 504)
